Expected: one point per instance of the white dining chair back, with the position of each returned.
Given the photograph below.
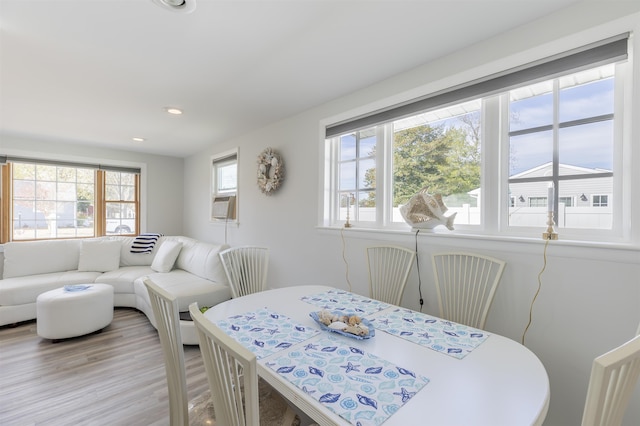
(389, 268)
(232, 373)
(466, 284)
(614, 377)
(246, 268)
(167, 316)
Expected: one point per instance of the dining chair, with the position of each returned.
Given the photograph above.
(466, 284)
(167, 316)
(246, 268)
(614, 376)
(389, 268)
(232, 373)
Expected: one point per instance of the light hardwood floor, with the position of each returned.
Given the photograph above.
(115, 377)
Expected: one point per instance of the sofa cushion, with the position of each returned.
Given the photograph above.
(187, 288)
(201, 259)
(122, 278)
(23, 290)
(40, 257)
(166, 256)
(99, 255)
(133, 259)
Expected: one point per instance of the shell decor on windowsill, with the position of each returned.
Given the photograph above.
(270, 171)
(426, 211)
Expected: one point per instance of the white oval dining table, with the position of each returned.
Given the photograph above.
(499, 383)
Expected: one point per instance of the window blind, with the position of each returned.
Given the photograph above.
(607, 51)
(11, 159)
(224, 159)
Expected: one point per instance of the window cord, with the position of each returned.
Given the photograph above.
(418, 270)
(344, 258)
(544, 266)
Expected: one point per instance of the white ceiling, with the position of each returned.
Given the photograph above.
(100, 72)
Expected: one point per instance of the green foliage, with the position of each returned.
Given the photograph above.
(444, 160)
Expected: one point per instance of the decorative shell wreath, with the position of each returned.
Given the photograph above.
(270, 171)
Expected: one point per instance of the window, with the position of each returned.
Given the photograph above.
(600, 200)
(48, 200)
(538, 201)
(566, 201)
(556, 122)
(561, 132)
(224, 186)
(121, 202)
(357, 165)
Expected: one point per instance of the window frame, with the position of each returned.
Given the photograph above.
(221, 160)
(104, 202)
(99, 218)
(600, 202)
(495, 171)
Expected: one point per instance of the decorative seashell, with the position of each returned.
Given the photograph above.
(325, 317)
(358, 330)
(364, 330)
(365, 400)
(329, 397)
(316, 371)
(337, 325)
(426, 211)
(354, 320)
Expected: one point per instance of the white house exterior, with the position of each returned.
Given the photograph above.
(583, 203)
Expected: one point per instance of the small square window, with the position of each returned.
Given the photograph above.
(600, 200)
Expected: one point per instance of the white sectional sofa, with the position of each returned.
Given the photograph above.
(186, 267)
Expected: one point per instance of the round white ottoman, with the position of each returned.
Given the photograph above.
(74, 310)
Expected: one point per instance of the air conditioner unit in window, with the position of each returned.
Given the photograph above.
(224, 207)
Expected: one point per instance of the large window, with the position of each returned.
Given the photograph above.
(49, 200)
(493, 149)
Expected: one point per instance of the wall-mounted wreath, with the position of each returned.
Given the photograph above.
(270, 171)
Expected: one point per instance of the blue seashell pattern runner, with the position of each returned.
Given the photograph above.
(265, 332)
(358, 386)
(340, 300)
(453, 339)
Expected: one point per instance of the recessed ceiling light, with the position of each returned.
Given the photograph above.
(138, 139)
(182, 6)
(174, 111)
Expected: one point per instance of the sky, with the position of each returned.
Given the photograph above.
(585, 144)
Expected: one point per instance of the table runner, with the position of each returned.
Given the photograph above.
(340, 300)
(453, 339)
(358, 386)
(265, 332)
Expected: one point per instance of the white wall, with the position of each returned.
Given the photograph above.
(590, 296)
(162, 177)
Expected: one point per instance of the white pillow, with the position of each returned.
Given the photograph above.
(166, 256)
(99, 255)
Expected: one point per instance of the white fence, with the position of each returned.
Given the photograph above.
(568, 217)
